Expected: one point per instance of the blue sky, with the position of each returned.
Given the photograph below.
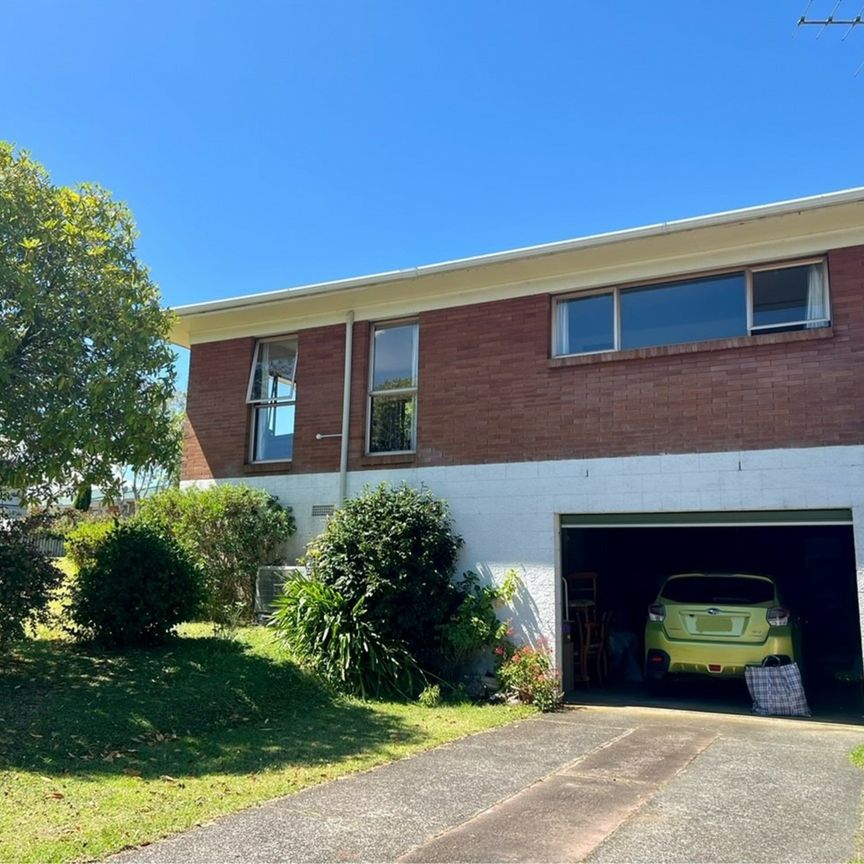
(269, 144)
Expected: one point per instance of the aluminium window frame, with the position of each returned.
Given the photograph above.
(255, 405)
(402, 391)
(747, 271)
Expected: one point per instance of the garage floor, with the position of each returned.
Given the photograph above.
(829, 703)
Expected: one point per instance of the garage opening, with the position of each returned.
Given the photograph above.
(809, 554)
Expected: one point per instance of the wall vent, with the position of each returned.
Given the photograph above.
(322, 510)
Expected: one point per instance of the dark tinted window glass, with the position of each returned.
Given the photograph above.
(585, 324)
(730, 590)
(714, 308)
(392, 428)
(788, 295)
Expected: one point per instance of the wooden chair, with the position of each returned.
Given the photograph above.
(592, 632)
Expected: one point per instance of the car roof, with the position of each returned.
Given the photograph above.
(724, 575)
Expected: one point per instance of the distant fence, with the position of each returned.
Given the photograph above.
(53, 547)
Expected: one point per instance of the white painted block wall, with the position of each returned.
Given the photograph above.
(508, 512)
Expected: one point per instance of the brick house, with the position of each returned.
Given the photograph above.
(606, 403)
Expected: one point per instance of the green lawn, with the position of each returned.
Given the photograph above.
(101, 750)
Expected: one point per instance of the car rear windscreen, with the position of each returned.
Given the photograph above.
(719, 589)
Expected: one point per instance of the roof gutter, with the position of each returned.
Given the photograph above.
(747, 214)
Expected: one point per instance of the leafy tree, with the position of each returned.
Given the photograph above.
(86, 371)
(162, 470)
(83, 498)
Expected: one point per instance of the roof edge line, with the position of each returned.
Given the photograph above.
(812, 202)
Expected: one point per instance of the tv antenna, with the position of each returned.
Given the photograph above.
(833, 19)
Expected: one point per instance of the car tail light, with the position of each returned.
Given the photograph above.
(777, 616)
(656, 612)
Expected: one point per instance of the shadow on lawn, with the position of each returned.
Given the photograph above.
(194, 706)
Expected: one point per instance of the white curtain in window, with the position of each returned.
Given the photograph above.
(562, 330)
(817, 309)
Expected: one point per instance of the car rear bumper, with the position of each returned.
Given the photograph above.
(717, 660)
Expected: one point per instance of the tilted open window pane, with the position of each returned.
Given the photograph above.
(272, 394)
(394, 365)
(392, 428)
(274, 371)
(274, 432)
(713, 308)
(585, 324)
(791, 298)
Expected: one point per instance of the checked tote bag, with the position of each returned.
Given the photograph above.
(777, 690)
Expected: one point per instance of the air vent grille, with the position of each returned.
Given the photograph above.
(322, 510)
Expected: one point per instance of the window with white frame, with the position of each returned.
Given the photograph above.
(778, 297)
(272, 395)
(793, 297)
(393, 388)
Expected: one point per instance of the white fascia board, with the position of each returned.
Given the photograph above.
(624, 238)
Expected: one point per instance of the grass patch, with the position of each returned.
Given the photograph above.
(857, 756)
(102, 750)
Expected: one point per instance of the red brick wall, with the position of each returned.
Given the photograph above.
(488, 391)
(216, 415)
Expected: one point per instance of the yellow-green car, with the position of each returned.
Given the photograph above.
(716, 625)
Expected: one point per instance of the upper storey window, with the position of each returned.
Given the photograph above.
(272, 395)
(790, 296)
(393, 388)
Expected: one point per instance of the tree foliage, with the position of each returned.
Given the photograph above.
(85, 367)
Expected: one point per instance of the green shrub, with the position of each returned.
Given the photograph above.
(394, 550)
(430, 697)
(230, 530)
(27, 577)
(135, 589)
(528, 675)
(83, 538)
(474, 626)
(335, 638)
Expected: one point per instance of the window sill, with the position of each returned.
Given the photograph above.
(282, 467)
(372, 460)
(692, 347)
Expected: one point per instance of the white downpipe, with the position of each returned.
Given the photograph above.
(346, 408)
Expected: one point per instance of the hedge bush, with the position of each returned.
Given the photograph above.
(137, 586)
(27, 577)
(229, 530)
(395, 551)
(83, 538)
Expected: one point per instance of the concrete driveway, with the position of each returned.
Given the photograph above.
(585, 784)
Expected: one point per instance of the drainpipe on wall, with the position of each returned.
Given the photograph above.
(346, 408)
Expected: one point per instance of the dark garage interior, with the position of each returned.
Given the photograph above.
(810, 554)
